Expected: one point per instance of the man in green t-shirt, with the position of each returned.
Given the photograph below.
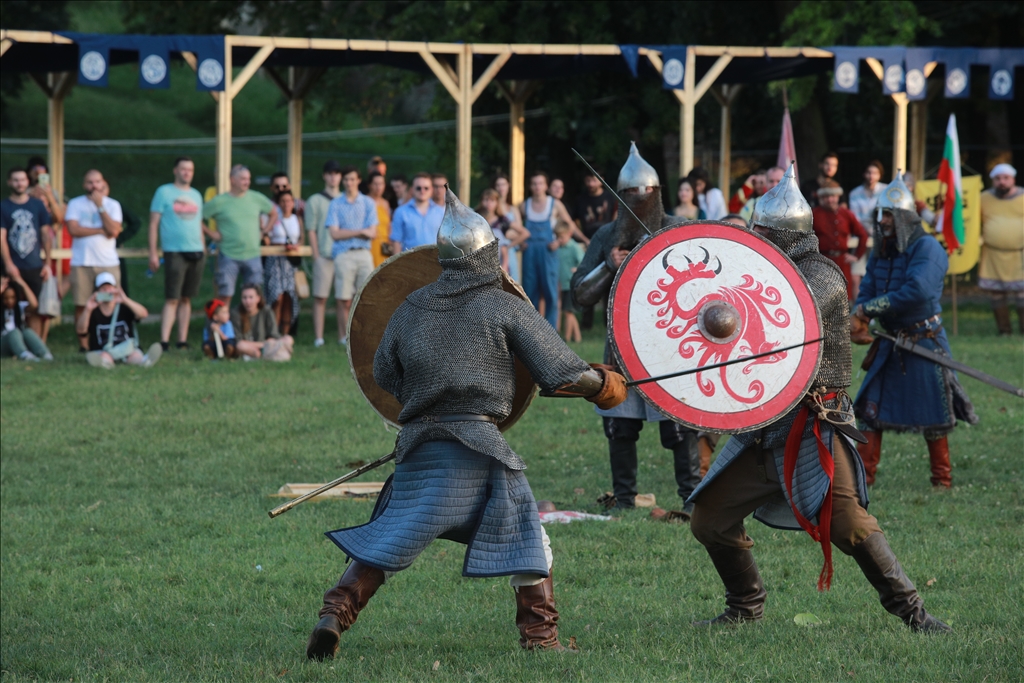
(240, 225)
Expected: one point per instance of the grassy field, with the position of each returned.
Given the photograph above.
(135, 543)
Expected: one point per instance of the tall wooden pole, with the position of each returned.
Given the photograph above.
(55, 140)
(224, 124)
(517, 148)
(294, 136)
(899, 142)
(464, 133)
(686, 111)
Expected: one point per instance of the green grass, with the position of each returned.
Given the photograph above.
(134, 519)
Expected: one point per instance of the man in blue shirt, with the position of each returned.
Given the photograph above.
(176, 214)
(25, 239)
(352, 223)
(416, 222)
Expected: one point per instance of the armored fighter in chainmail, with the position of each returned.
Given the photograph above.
(801, 471)
(902, 288)
(448, 355)
(639, 187)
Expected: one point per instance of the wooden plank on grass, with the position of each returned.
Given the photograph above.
(347, 490)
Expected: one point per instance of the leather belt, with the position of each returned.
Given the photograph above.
(458, 417)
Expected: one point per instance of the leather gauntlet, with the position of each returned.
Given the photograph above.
(613, 390)
(859, 331)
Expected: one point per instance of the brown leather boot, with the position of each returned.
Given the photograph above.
(744, 590)
(537, 617)
(871, 454)
(342, 605)
(705, 449)
(938, 455)
(1002, 314)
(895, 590)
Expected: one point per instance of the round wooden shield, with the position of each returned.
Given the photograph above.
(374, 304)
(708, 292)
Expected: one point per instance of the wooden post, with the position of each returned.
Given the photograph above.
(55, 136)
(918, 140)
(464, 133)
(224, 124)
(516, 151)
(899, 133)
(294, 137)
(725, 96)
(686, 111)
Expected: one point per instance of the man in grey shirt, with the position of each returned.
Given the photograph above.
(322, 243)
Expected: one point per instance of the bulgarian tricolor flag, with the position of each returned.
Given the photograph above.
(950, 223)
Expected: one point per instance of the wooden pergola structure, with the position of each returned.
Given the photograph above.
(453, 65)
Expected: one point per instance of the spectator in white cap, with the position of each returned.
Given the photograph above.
(108, 324)
(1001, 272)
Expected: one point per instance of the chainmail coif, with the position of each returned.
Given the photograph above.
(828, 285)
(450, 349)
(907, 228)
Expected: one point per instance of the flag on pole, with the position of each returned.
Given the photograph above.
(950, 223)
(787, 144)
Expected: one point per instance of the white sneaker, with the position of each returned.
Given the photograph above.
(48, 356)
(343, 342)
(29, 356)
(317, 343)
(152, 356)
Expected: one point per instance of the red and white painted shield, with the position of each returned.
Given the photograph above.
(705, 293)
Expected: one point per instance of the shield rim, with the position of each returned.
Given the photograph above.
(642, 388)
(522, 399)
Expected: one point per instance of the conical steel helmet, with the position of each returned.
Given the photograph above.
(462, 230)
(783, 207)
(895, 196)
(636, 172)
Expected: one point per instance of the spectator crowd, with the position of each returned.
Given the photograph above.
(352, 225)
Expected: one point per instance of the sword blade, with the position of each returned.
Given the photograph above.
(281, 509)
(948, 362)
(723, 364)
(613, 192)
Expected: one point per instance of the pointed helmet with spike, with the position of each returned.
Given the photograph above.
(636, 172)
(783, 207)
(463, 231)
(895, 196)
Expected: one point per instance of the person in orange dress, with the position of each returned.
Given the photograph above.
(379, 246)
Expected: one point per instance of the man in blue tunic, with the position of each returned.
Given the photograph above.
(448, 355)
(801, 471)
(903, 392)
(640, 187)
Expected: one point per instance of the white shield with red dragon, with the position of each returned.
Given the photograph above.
(706, 293)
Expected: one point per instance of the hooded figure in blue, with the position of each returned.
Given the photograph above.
(448, 356)
(903, 392)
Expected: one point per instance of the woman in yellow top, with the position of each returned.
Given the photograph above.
(1002, 250)
(380, 247)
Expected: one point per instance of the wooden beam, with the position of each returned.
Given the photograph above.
(224, 121)
(464, 125)
(488, 75)
(295, 134)
(725, 99)
(686, 112)
(899, 143)
(239, 81)
(42, 81)
(444, 75)
(517, 96)
(280, 82)
(876, 67)
(306, 80)
(19, 36)
(5, 45)
(709, 78)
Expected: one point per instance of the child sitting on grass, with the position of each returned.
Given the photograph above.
(15, 338)
(570, 254)
(219, 334)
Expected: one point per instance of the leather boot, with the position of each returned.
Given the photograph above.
(895, 590)
(537, 617)
(342, 605)
(744, 590)
(622, 453)
(1002, 314)
(686, 459)
(706, 451)
(870, 454)
(938, 455)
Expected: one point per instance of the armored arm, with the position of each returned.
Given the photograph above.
(593, 277)
(600, 385)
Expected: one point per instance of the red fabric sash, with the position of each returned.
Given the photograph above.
(822, 531)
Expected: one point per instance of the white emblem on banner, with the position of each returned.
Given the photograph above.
(894, 78)
(93, 65)
(1002, 82)
(154, 69)
(915, 82)
(956, 81)
(672, 72)
(211, 73)
(846, 75)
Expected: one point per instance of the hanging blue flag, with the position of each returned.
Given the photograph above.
(846, 73)
(209, 52)
(154, 64)
(892, 59)
(93, 60)
(673, 67)
(631, 53)
(1001, 64)
(916, 82)
(958, 70)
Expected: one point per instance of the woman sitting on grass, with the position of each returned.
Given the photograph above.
(108, 321)
(16, 339)
(256, 328)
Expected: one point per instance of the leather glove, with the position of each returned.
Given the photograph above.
(613, 390)
(859, 331)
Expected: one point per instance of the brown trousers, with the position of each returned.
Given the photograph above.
(752, 480)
